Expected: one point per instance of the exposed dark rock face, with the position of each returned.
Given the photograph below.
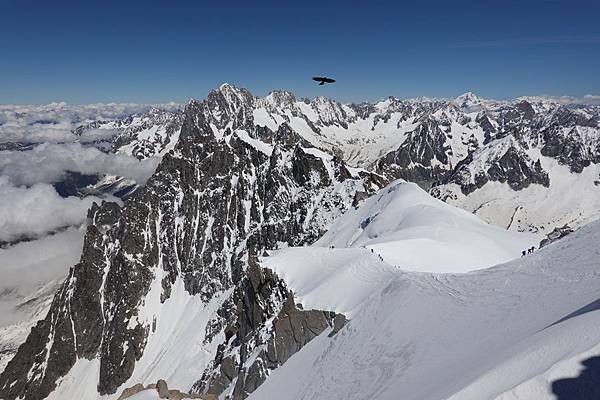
(525, 109)
(267, 328)
(422, 158)
(511, 165)
(556, 234)
(570, 147)
(216, 198)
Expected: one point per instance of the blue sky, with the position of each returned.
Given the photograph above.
(147, 51)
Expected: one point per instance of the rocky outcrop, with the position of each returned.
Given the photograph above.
(556, 234)
(135, 389)
(267, 329)
(509, 164)
(163, 392)
(422, 158)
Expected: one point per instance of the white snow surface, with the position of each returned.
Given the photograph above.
(495, 333)
(413, 231)
(400, 228)
(572, 199)
(149, 394)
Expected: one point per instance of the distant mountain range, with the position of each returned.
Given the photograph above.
(475, 153)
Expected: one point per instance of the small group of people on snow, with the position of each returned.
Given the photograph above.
(528, 251)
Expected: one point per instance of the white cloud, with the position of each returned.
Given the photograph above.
(28, 265)
(29, 205)
(54, 122)
(591, 99)
(36, 210)
(566, 100)
(48, 163)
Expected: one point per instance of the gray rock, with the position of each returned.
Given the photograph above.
(339, 321)
(556, 234)
(162, 389)
(138, 387)
(262, 295)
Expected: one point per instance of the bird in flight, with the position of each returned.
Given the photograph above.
(323, 80)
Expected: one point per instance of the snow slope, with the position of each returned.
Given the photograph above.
(501, 333)
(176, 350)
(571, 198)
(416, 232)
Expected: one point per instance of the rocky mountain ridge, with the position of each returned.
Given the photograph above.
(467, 141)
(458, 148)
(227, 191)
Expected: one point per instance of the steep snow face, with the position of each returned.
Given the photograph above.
(316, 275)
(416, 232)
(501, 333)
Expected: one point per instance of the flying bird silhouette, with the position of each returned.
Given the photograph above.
(323, 80)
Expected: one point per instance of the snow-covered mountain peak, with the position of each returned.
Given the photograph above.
(225, 86)
(281, 98)
(469, 102)
(231, 93)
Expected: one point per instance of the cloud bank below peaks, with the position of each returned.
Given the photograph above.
(29, 212)
(49, 162)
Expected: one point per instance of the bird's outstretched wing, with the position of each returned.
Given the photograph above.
(323, 80)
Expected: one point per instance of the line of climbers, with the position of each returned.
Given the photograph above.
(378, 255)
(528, 251)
